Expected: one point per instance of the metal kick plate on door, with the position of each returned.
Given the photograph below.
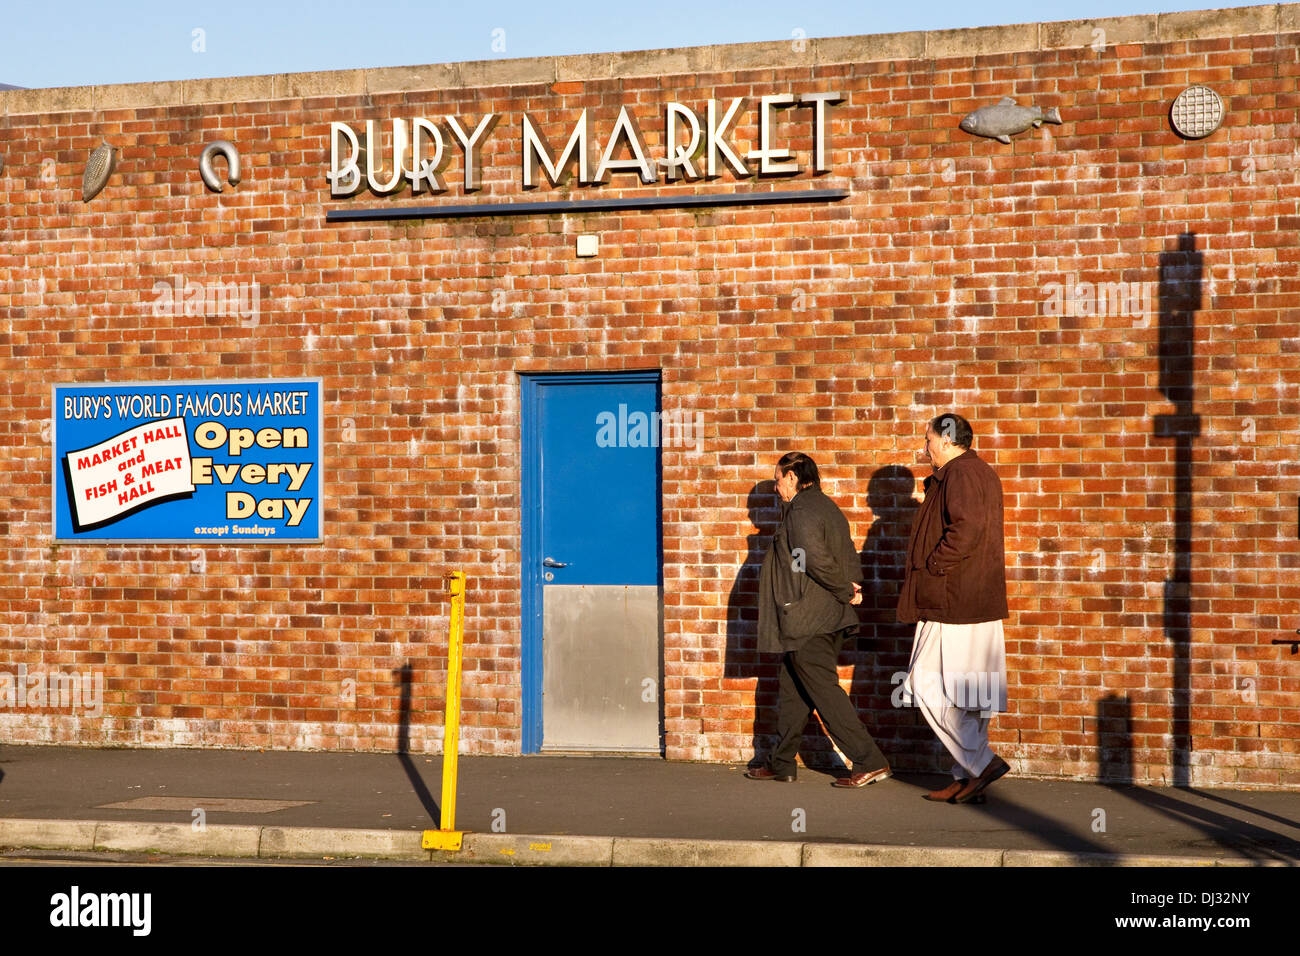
(601, 647)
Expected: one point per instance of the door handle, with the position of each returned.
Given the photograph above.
(552, 563)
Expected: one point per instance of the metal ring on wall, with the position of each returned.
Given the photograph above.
(210, 177)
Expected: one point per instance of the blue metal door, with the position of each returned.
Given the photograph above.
(591, 554)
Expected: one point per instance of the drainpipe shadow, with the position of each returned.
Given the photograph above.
(1179, 298)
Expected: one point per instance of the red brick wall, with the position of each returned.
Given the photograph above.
(834, 328)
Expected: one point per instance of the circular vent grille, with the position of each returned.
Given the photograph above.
(1197, 112)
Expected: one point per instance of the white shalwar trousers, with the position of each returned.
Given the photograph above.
(957, 678)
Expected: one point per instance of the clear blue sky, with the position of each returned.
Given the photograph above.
(84, 42)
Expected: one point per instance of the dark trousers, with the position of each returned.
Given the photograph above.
(808, 681)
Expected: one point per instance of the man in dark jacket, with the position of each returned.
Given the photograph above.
(955, 591)
(808, 582)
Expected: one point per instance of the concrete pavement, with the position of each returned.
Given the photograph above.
(603, 811)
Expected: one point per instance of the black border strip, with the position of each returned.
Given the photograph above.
(584, 205)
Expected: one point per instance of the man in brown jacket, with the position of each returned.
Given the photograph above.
(955, 591)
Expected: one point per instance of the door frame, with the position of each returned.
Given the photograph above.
(531, 631)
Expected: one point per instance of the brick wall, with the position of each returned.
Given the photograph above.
(1140, 441)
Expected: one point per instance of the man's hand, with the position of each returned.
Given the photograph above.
(857, 593)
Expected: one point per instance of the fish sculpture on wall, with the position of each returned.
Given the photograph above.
(1005, 119)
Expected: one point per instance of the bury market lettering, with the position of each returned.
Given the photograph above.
(241, 504)
(75, 908)
(694, 146)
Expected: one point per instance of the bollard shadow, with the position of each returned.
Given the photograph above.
(884, 647)
(743, 660)
(404, 676)
(1179, 298)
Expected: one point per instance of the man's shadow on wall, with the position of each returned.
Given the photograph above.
(884, 647)
(744, 662)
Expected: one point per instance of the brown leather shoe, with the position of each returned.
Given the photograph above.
(997, 768)
(856, 781)
(767, 773)
(947, 793)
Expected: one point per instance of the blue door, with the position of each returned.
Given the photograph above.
(591, 654)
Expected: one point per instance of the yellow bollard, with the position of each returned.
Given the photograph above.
(447, 837)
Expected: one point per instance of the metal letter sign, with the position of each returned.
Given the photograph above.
(693, 149)
(221, 461)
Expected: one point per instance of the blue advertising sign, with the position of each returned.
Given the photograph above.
(222, 461)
